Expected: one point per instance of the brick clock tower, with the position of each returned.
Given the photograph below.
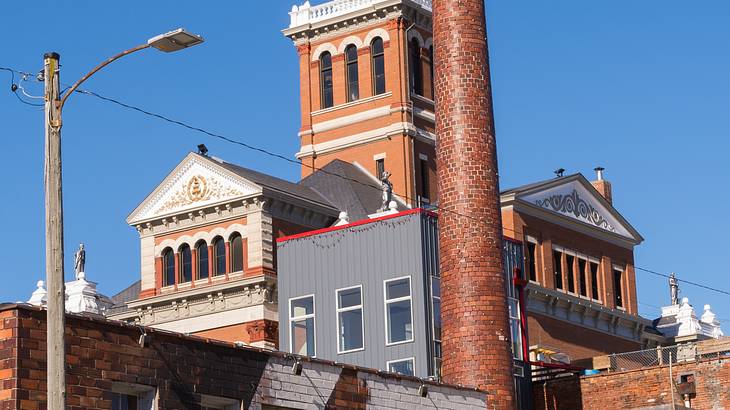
(366, 90)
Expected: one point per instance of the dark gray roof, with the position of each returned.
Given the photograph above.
(347, 187)
(273, 183)
(127, 295)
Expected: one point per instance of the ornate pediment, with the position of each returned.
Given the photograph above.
(574, 200)
(195, 183)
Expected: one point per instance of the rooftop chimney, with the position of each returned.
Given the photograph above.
(602, 186)
(475, 332)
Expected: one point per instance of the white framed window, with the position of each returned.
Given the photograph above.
(402, 366)
(219, 403)
(128, 396)
(302, 339)
(515, 324)
(398, 311)
(350, 326)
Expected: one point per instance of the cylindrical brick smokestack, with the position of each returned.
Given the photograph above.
(476, 334)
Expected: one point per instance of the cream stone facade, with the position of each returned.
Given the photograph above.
(206, 245)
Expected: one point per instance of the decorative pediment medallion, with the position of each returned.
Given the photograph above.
(574, 200)
(577, 206)
(194, 183)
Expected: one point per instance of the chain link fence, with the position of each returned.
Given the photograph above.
(663, 356)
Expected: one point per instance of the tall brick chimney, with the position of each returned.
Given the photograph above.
(476, 334)
(602, 186)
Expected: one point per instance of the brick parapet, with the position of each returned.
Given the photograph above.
(103, 353)
(639, 388)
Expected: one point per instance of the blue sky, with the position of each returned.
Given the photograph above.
(640, 88)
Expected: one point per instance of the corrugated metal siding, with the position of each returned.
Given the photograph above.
(363, 255)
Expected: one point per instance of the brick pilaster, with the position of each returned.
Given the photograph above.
(476, 335)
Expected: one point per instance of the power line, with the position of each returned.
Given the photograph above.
(14, 87)
(313, 168)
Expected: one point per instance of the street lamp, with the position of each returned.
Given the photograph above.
(168, 42)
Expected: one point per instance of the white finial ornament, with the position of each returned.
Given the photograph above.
(39, 296)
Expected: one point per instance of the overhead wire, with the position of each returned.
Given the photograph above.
(13, 86)
(314, 168)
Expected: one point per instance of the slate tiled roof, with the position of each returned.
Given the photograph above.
(274, 183)
(347, 187)
(127, 295)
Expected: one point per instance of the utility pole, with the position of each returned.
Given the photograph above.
(56, 318)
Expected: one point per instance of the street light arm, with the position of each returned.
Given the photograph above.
(97, 68)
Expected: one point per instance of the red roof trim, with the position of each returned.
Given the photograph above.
(358, 223)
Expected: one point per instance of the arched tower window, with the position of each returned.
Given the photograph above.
(236, 253)
(186, 263)
(219, 256)
(353, 91)
(325, 79)
(201, 249)
(414, 67)
(168, 267)
(378, 65)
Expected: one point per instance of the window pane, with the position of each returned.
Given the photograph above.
(436, 287)
(236, 254)
(348, 298)
(414, 63)
(569, 259)
(594, 280)
(351, 330)
(617, 287)
(202, 251)
(379, 74)
(302, 307)
(353, 92)
(558, 266)
(398, 288)
(379, 167)
(516, 335)
(325, 60)
(302, 332)
(327, 88)
(400, 327)
(219, 248)
(168, 261)
(403, 367)
(186, 264)
(377, 46)
(437, 319)
(532, 262)
(582, 277)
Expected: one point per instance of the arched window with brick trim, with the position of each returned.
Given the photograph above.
(353, 85)
(168, 267)
(325, 79)
(186, 263)
(236, 252)
(219, 256)
(377, 55)
(414, 67)
(201, 250)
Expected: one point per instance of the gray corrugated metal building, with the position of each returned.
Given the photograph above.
(330, 278)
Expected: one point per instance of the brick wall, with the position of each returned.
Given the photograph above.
(576, 341)
(637, 388)
(102, 354)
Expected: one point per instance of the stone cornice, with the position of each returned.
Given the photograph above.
(585, 313)
(201, 301)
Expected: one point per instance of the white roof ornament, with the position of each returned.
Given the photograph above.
(39, 296)
(679, 321)
(342, 219)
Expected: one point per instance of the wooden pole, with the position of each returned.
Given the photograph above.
(56, 320)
